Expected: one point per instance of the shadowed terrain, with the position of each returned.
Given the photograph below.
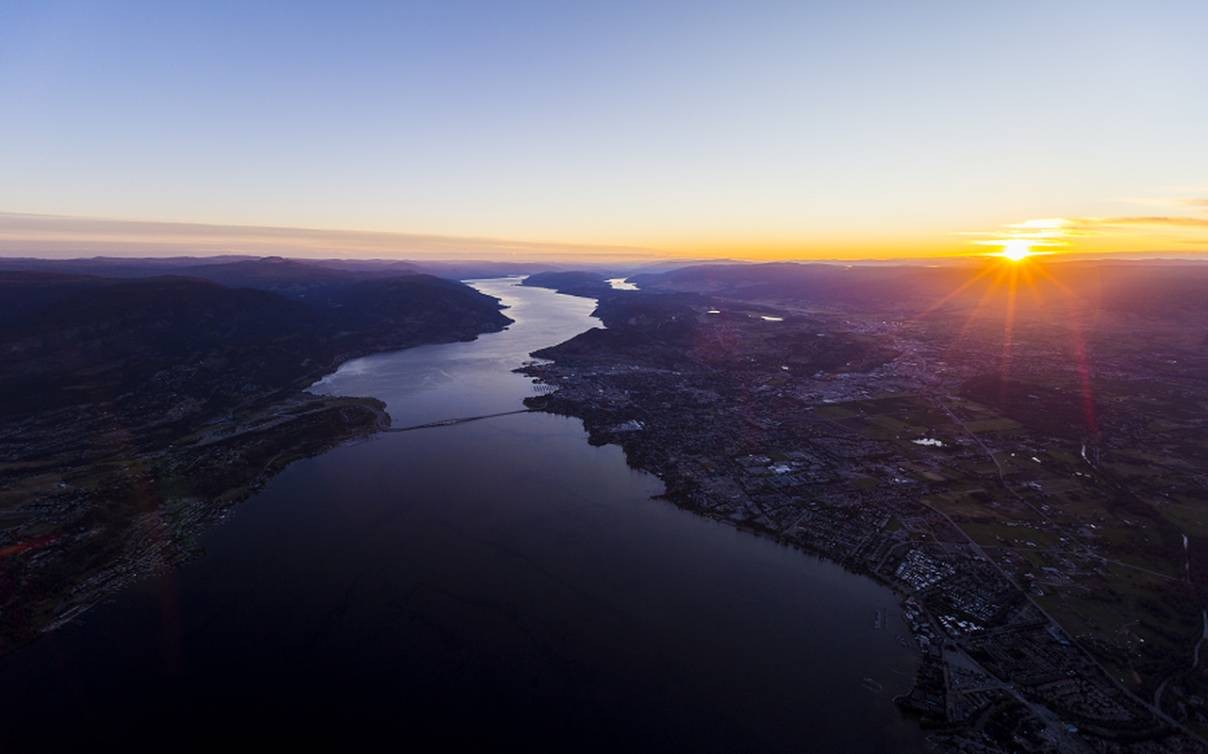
(135, 409)
(1016, 448)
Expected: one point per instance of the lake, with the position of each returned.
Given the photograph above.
(499, 583)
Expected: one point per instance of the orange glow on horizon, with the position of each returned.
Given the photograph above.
(49, 235)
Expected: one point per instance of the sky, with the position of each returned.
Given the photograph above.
(742, 129)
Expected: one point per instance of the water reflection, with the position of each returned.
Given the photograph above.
(495, 583)
(621, 284)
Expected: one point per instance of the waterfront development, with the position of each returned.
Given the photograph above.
(1031, 490)
(808, 378)
(496, 580)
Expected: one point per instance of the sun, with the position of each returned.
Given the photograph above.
(1016, 249)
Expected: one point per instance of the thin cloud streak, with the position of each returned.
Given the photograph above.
(58, 235)
(1120, 234)
(1171, 220)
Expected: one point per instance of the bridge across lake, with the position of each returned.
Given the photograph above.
(502, 584)
(455, 421)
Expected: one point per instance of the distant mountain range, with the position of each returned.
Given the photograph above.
(1143, 287)
(239, 330)
(269, 272)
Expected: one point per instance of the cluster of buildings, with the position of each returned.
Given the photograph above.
(826, 460)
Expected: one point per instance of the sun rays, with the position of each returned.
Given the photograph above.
(1015, 289)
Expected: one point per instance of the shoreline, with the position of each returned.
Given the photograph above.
(622, 386)
(196, 477)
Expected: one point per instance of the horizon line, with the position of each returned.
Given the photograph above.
(79, 237)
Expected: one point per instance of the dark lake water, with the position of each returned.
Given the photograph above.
(499, 582)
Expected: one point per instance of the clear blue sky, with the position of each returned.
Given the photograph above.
(787, 128)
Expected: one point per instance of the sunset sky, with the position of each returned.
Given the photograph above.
(528, 129)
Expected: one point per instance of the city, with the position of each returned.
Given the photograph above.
(1045, 577)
